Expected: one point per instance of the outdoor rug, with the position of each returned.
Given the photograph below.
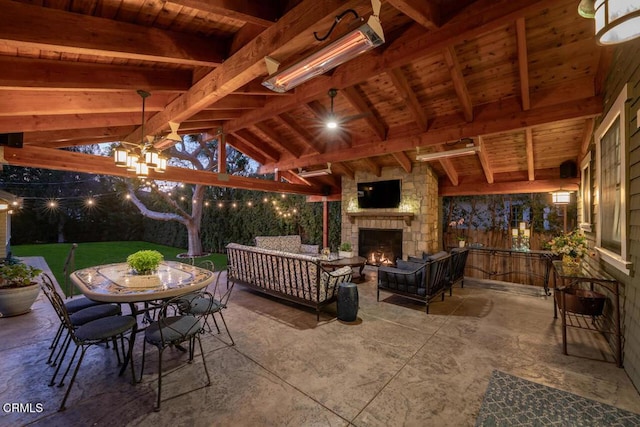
(514, 401)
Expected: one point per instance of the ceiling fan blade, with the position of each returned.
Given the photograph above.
(354, 117)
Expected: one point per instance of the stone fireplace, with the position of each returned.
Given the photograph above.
(415, 221)
(380, 246)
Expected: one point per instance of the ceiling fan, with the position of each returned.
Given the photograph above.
(332, 121)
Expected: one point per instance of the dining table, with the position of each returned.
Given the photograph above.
(118, 283)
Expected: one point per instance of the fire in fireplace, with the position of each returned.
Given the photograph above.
(380, 246)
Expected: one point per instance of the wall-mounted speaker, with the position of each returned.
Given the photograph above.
(568, 169)
(11, 139)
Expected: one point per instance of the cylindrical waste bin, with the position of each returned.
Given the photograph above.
(347, 302)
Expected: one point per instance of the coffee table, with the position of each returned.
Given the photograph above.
(356, 261)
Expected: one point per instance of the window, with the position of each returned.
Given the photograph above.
(611, 236)
(585, 192)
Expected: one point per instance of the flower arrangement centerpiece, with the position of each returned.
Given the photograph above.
(458, 232)
(145, 262)
(572, 246)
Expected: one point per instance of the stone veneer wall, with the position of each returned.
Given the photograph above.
(419, 196)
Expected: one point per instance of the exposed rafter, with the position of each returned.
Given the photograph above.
(402, 86)
(531, 171)
(523, 62)
(484, 160)
(459, 84)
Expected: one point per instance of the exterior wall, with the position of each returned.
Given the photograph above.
(626, 69)
(419, 196)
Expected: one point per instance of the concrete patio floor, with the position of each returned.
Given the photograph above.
(394, 366)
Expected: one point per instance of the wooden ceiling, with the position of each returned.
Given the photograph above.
(522, 78)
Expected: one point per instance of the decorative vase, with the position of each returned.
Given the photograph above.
(461, 243)
(345, 254)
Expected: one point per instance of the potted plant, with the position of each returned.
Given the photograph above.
(145, 262)
(344, 251)
(18, 289)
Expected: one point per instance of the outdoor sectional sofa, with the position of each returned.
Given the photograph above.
(291, 276)
(420, 279)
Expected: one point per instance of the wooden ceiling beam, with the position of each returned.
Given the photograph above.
(208, 115)
(40, 74)
(499, 117)
(586, 137)
(293, 178)
(23, 103)
(450, 171)
(358, 102)
(409, 96)
(300, 131)
(258, 144)
(50, 158)
(45, 137)
(294, 29)
(258, 13)
(403, 160)
(246, 149)
(478, 18)
(484, 160)
(64, 122)
(372, 166)
(27, 26)
(237, 102)
(523, 62)
(425, 13)
(459, 84)
(528, 137)
(526, 186)
(343, 169)
(276, 139)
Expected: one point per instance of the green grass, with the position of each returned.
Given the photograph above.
(95, 253)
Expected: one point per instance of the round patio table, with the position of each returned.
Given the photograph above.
(116, 282)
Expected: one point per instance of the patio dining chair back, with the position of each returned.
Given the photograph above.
(173, 328)
(98, 331)
(201, 306)
(75, 305)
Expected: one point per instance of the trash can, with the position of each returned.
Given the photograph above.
(347, 302)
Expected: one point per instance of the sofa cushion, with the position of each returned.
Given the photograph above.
(409, 265)
(331, 279)
(279, 243)
(416, 259)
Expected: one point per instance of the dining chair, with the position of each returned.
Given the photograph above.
(173, 328)
(200, 306)
(93, 332)
(73, 306)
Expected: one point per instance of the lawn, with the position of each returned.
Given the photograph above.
(94, 253)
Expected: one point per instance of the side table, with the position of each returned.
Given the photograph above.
(347, 302)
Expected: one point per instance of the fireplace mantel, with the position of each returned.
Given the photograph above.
(406, 216)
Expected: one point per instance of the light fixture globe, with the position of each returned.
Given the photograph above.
(120, 156)
(561, 197)
(617, 21)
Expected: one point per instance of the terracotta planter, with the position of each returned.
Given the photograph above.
(16, 301)
(581, 301)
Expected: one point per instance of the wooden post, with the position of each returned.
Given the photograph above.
(325, 223)
(222, 154)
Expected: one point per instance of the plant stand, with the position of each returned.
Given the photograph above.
(587, 316)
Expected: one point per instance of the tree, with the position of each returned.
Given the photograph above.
(192, 152)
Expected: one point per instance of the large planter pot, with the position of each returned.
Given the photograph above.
(581, 301)
(16, 301)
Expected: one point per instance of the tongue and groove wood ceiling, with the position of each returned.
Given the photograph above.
(522, 78)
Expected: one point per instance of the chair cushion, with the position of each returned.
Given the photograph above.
(79, 304)
(408, 265)
(174, 329)
(92, 313)
(416, 259)
(105, 327)
(200, 305)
